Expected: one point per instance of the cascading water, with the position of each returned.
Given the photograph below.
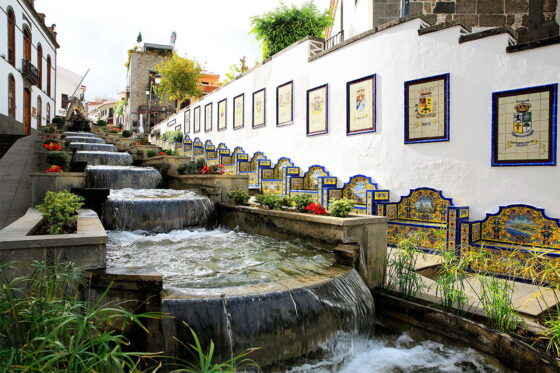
(83, 134)
(120, 177)
(92, 147)
(156, 209)
(95, 158)
(89, 140)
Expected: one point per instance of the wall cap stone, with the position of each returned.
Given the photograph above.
(533, 44)
(488, 33)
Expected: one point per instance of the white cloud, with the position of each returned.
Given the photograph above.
(215, 32)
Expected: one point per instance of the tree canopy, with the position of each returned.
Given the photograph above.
(180, 78)
(285, 25)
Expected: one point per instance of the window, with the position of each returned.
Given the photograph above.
(64, 101)
(405, 8)
(49, 66)
(26, 43)
(40, 65)
(39, 112)
(48, 118)
(11, 96)
(11, 37)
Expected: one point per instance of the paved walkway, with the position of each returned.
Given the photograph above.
(529, 300)
(15, 182)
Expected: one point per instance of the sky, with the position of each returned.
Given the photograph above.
(98, 36)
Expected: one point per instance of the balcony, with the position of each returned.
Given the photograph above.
(29, 72)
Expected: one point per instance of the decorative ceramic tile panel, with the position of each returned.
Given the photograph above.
(360, 105)
(318, 110)
(424, 204)
(524, 126)
(285, 104)
(427, 109)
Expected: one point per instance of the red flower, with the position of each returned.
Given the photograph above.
(162, 153)
(205, 169)
(52, 146)
(54, 168)
(316, 209)
(137, 142)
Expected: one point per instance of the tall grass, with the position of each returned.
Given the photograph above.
(452, 275)
(401, 267)
(45, 327)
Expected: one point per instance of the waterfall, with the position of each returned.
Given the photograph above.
(83, 134)
(120, 177)
(159, 210)
(103, 158)
(92, 147)
(90, 140)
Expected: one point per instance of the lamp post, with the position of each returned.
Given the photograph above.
(153, 79)
(149, 98)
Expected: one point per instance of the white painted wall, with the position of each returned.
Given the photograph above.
(66, 83)
(357, 17)
(460, 167)
(37, 36)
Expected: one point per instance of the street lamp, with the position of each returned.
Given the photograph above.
(149, 99)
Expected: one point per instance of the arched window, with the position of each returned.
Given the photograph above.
(49, 66)
(48, 118)
(26, 43)
(11, 37)
(11, 96)
(39, 112)
(40, 65)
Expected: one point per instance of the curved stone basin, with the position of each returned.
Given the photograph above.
(156, 210)
(92, 147)
(96, 158)
(243, 291)
(120, 177)
(89, 140)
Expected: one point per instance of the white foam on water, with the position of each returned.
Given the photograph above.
(129, 168)
(148, 194)
(351, 354)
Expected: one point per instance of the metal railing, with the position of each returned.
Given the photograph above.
(334, 40)
(29, 71)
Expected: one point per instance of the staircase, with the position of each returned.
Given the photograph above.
(6, 142)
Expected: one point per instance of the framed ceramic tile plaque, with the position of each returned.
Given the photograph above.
(196, 124)
(187, 121)
(318, 110)
(426, 109)
(208, 117)
(524, 126)
(360, 105)
(259, 108)
(222, 115)
(285, 104)
(238, 111)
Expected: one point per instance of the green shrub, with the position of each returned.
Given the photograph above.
(47, 130)
(126, 133)
(287, 201)
(239, 196)
(112, 131)
(58, 120)
(191, 168)
(170, 152)
(58, 158)
(104, 128)
(171, 137)
(60, 210)
(342, 207)
(46, 327)
(151, 153)
(271, 201)
(302, 201)
(101, 122)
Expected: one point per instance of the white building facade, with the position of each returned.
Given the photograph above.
(27, 68)
(68, 84)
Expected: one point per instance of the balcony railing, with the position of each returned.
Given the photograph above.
(29, 72)
(334, 40)
(154, 109)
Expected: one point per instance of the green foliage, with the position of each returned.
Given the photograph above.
(126, 133)
(171, 137)
(58, 120)
(60, 210)
(287, 201)
(45, 327)
(59, 158)
(170, 152)
(285, 25)
(151, 153)
(180, 78)
(342, 207)
(119, 108)
(236, 70)
(47, 129)
(271, 201)
(401, 268)
(239, 196)
(302, 201)
(101, 122)
(203, 359)
(191, 168)
(552, 333)
(496, 297)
